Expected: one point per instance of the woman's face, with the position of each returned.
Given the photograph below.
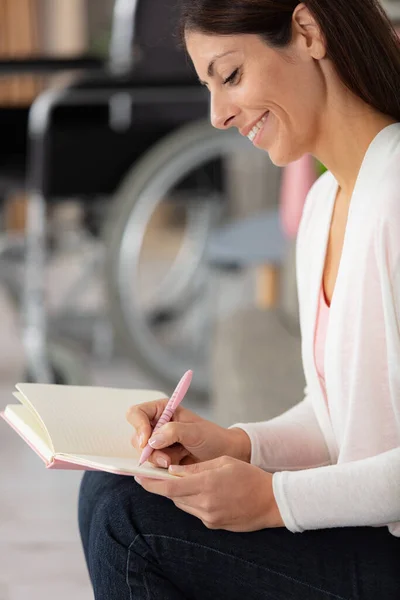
(274, 96)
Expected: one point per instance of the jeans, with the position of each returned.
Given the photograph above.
(140, 546)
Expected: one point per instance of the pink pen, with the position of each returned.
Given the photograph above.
(174, 402)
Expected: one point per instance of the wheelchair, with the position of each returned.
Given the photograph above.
(126, 137)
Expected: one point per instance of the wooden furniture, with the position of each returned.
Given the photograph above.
(267, 287)
(35, 29)
(19, 39)
(256, 242)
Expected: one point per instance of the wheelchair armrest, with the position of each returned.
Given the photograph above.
(41, 64)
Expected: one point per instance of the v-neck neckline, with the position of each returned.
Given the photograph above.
(346, 241)
(324, 299)
(377, 152)
(333, 199)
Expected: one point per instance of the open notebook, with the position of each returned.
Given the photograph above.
(74, 427)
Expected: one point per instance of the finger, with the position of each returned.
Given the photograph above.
(169, 456)
(173, 488)
(188, 508)
(141, 416)
(188, 460)
(196, 512)
(189, 435)
(200, 467)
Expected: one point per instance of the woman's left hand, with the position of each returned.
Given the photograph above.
(224, 493)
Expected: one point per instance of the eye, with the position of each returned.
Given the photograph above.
(233, 77)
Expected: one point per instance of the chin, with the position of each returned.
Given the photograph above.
(278, 162)
(281, 157)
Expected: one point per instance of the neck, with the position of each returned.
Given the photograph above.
(348, 130)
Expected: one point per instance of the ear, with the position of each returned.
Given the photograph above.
(307, 32)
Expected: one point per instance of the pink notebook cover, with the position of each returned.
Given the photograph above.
(59, 463)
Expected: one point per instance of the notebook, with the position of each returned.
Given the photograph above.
(85, 428)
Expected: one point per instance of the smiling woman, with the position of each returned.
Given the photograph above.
(358, 35)
(319, 77)
(292, 63)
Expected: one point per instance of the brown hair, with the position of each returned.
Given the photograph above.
(360, 39)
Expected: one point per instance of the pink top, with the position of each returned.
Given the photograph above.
(320, 336)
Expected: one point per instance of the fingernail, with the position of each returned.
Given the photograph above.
(156, 441)
(139, 481)
(162, 462)
(141, 440)
(176, 468)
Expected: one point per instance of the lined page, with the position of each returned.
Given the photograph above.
(87, 420)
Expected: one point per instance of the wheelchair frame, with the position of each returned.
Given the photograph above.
(120, 63)
(35, 327)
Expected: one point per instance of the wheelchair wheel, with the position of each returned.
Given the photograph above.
(67, 365)
(159, 298)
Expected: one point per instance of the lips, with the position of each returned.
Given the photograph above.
(246, 130)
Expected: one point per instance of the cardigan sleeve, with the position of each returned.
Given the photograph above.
(291, 441)
(359, 493)
(364, 492)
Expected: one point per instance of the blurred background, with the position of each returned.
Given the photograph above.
(136, 242)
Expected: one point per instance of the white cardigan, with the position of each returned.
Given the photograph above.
(338, 465)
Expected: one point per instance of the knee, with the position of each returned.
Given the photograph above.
(107, 524)
(104, 508)
(90, 492)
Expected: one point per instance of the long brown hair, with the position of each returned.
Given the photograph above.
(360, 39)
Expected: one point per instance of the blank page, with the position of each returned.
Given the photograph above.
(30, 428)
(120, 465)
(87, 420)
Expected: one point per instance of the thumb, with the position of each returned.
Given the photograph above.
(207, 465)
(187, 434)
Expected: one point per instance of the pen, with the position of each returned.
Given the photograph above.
(173, 403)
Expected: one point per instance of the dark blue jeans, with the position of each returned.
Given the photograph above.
(140, 546)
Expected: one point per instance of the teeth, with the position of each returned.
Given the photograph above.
(257, 128)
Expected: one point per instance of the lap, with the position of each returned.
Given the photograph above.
(340, 563)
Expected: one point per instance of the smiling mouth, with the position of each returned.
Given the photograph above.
(252, 134)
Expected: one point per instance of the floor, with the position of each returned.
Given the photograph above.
(40, 552)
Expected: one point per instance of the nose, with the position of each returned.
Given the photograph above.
(222, 113)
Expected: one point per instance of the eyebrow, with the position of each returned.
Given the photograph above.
(210, 70)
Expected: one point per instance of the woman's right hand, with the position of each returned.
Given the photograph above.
(187, 438)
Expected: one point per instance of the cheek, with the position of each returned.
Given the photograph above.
(288, 137)
(307, 98)
(295, 123)
(298, 93)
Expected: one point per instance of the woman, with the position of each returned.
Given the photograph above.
(319, 77)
